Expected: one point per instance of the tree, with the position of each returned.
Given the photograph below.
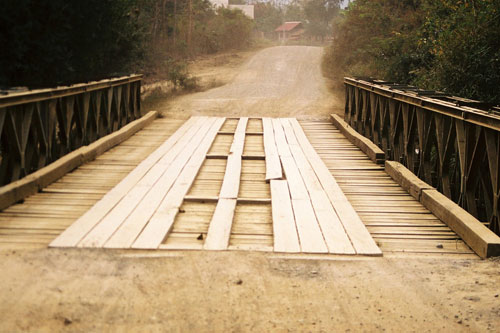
(448, 45)
(462, 41)
(52, 42)
(319, 15)
(267, 17)
(376, 38)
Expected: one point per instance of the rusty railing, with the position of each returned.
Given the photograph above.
(37, 127)
(449, 142)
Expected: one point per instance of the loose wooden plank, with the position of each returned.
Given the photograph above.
(163, 219)
(219, 230)
(128, 231)
(71, 236)
(231, 183)
(220, 225)
(273, 165)
(297, 187)
(311, 238)
(162, 174)
(239, 137)
(310, 235)
(333, 231)
(356, 230)
(285, 232)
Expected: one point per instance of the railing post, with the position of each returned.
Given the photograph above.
(454, 148)
(40, 126)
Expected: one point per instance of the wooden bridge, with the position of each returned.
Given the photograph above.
(262, 184)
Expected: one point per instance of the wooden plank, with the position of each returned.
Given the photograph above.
(481, 239)
(333, 231)
(163, 219)
(239, 137)
(285, 232)
(128, 231)
(311, 238)
(18, 190)
(273, 164)
(310, 235)
(356, 230)
(376, 154)
(219, 230)
(231, 183)
(144, 197)
(71, 236)
(295, 183)
(220, 225)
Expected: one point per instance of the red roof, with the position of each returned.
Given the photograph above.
(288, 26)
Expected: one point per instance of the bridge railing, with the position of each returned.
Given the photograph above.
(449, 142)
(39, 126)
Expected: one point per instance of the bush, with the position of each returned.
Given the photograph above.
(54, 42)
(449, 45)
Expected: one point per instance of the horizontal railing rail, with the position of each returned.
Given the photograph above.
(39, 126)
(449, 142)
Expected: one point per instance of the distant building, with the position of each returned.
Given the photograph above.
(248, 10)
(223, 3)
(290, 31)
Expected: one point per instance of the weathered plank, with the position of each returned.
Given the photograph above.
(356, 230)
(219, 230)
(273, 165)
(144, 197)
(71, 236)
(231, 183)
(128, 231)
(220, 226)
(163, 219)
(285, 230)
(481, 239)
(239, 137)
(333, 231)
(310, 235)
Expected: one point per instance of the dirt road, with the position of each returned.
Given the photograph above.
(278, 81)
(52, 290)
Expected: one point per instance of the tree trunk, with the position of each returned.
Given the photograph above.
(190, 27)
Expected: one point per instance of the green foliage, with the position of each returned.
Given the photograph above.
(449, 45)
(54, 42)
(267, 17)
(374, 38)
(294, 12)
(179, 30)
(319, 15)
(229, 29)
(462, 40)
(177, 73)
(50, 42)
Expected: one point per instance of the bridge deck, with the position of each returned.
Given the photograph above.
(395, 220)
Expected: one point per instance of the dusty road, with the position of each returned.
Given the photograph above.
(278, 81)
(52, 290)
(94, 291)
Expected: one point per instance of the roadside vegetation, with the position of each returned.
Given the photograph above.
(446, 45)
(54, 42)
